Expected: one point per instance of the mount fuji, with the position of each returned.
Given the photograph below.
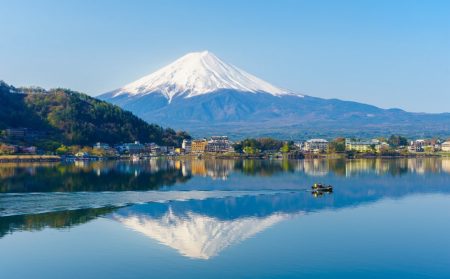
(205, 95)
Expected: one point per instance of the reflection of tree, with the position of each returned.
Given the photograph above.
(337, 166)
(109, 176)
(153, 174)
(57, 220)
(263, 167)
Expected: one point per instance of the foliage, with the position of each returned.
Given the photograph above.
(260, 144)
(69, 117)
(396, 140)
(337, 145)
(285, 148)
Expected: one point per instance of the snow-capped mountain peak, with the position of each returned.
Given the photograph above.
(195, 74)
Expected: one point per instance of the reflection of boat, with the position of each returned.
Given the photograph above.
(135, 158)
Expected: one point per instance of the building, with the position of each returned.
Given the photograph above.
(362, 145)
(187, 146)
(100, 145)
(316, 145)
(152, 148)
(27, 149)
(167, 149)
(16, 133)
(417, 145)
(300, 145)
(131, 148)
(445, 146)
(8, 149)
(198, 146)
(219, 144)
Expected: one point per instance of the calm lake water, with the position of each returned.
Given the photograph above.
(226, 219)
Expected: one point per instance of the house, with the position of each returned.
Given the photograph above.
(219, 144)
(316, 145)
(363, 145)
(167, 149)
(199, 146)
(131, 148)
(27, 149)
(300, 145)
(8, 149)
(152, 148)
(100, 145)
(16, 133)
(445, 146)
(417, 146)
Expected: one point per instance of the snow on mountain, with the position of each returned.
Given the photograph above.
(195, 74)
(206, 96)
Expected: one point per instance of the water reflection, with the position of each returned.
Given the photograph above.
(203, 206)
(57, 220)
(158, 173)
(202, 229)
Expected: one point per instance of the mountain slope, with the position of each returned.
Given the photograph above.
(196, 74)
(205, 95)
(74, 118)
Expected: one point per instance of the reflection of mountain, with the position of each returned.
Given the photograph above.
(203, 228)
(198, 236)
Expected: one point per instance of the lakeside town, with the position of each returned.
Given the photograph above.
(16, 144)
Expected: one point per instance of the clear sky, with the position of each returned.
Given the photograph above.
(390, 53)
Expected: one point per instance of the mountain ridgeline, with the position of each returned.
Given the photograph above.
(69, 117)
(205, 95)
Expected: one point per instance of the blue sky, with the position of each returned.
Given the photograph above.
(387, 53)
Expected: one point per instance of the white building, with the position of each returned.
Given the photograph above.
(101, 145)
(219, 144)
(445, 146)
(316, 145)
(187, 146)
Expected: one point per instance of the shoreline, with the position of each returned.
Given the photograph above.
(56, 158)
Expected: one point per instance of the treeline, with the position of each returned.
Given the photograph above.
(253, 146)
(337, 145)
(72, 118)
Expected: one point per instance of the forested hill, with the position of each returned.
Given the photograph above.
(70, 117)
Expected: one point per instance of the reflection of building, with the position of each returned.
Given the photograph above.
(445, 164)
(198, 167)
(316, 167)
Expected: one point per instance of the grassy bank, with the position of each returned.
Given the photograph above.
(29, 158)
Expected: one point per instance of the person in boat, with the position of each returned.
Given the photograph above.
(321, 187)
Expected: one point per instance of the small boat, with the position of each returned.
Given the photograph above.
(318, 187)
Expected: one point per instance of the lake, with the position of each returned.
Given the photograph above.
(386, 218)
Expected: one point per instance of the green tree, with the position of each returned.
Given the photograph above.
(285, 148)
